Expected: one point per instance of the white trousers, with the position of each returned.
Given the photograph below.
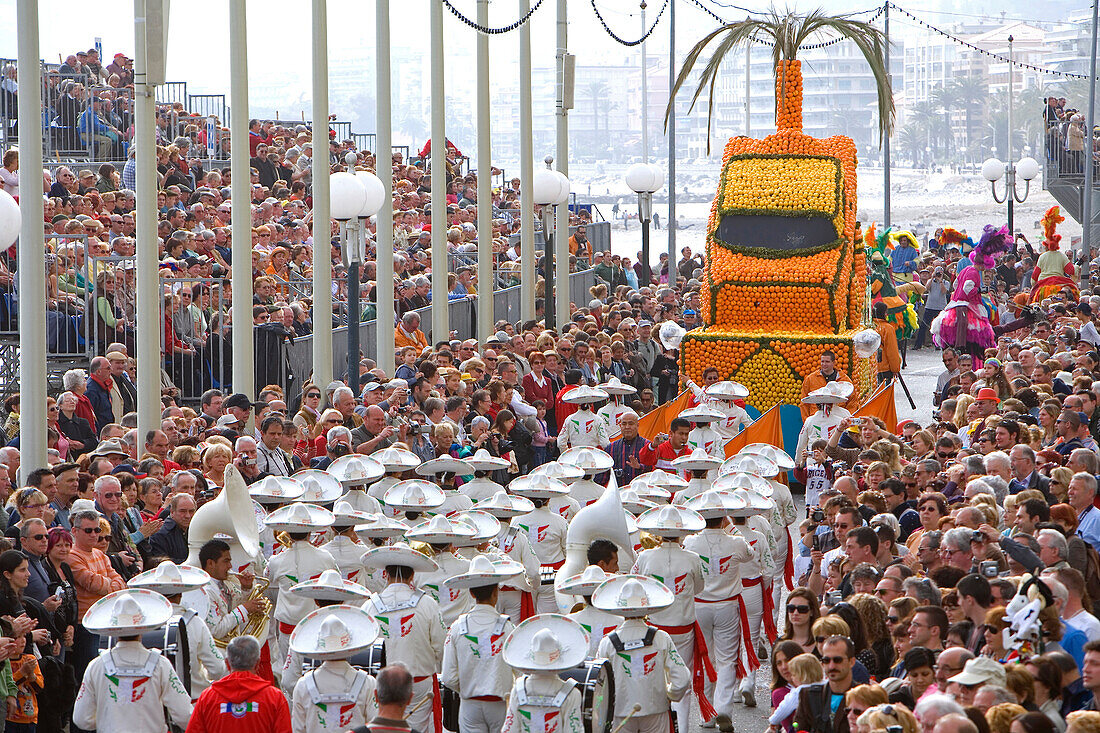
(481, 716)
(421, 718)
(508, 603)
(685, 644)
(721, 625)
(754, 605)
(645, 723)
(546, 600)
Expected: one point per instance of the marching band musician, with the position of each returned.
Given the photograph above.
(328, 589)
(439, 532)
(411, 498)
(596, 623)
(682, 571)
(517, 599)
(379, 531)
(129, 687)
(753, 572)
(295, 563)
(649, 671)
(410, 622)
(223, 603)
(335, 696)
(445, 470)
(204, 661)
(613, 411)
(583, 427)
(396, 462)
(703, 435)
(472, 663)
(540, 700)
(718, 603)
(344, 546)
(593, 462)
(545, 531)
(482, 487)
(269, 494)
(722, 397)
(355, 473)
(698, 464)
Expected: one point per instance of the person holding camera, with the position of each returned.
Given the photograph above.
(939, 290)
(337, 445)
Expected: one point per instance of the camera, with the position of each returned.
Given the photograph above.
(817, 515)
(816, 543)
(894, 729)
(988, 568)
(339, 449)
(833, 597)
(416, 428)
(977, 536)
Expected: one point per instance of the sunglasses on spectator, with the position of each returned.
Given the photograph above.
(893, 620)
(834, 660)
(313, 396)
(112, 495)
(791, 608)
(91, 530)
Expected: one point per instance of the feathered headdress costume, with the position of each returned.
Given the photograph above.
(875, 245)
(1050, 222)
(993, 242)
(951, 236)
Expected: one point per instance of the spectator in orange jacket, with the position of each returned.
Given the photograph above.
(242, 701)
(825, 374)
(408, 333)
(889, 357)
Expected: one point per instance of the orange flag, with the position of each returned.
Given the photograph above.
(768, 428)
(881, 405)
(659, 420)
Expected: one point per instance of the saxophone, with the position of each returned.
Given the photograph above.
(257, 622)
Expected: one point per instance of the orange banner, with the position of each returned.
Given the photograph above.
(659, 420)
(768, 428)
(881, 405)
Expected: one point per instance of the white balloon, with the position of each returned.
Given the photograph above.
(10, 220)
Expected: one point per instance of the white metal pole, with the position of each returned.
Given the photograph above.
(32, 245)
(671, 145)
(561, 229)
(526, 171)
(645, 96)
(244, 370)
(322, 227)
(1011, 155)
(886, 138)
(440, 322)
(485, 315)
(383, 289)
(145, 217)
(748, 90)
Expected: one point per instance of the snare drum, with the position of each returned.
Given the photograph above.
(372, 659)
(450, 701)
(597, 685)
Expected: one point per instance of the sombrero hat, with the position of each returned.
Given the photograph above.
(321, 487)
(345, 515)
(414, 495)
(485, 526)
(727, 390)
(356, 470)
(660, 478)
(299, 517)
(401, 554)
(483, 460)
(748, 481)
(276, 490)
(831, 394)
(583, 395)
(330, 586)
(334, 632)
(562, 472)
(548, 642)
(634, 503)
(777, 456)
(170, 579)
(503, 505)
(697, 460)
(129, 612)
(754, 464)
(439, 530)
(396, 460)
(715, 504)
(632, 596)
(754, 504)
(701, 414)
(584, 583)
(614, 386)
(670, 521)
(380, 527)
(589, 460)
(446, 464)
(483, 572)
(537, 487)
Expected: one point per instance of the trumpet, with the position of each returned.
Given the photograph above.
(257, 622)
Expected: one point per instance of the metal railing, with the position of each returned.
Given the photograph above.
(1064, 165)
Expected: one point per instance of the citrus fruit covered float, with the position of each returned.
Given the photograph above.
(785, 275)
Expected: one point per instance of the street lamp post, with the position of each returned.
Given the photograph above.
(994, 170)
(645, 179)
(347, 196)
(550, 189)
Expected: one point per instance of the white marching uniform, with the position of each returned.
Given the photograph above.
(129, 688)
(545, 532)
(682, 572)
(753, 576)
(207, 661)
(480, 488)
(378, 489)
(333, 697)
(736, 419)
(695, 487)
(267, 535)
(597, 624)
(585, 491)
(718, 609)
(710, 440)
(781, 519)
(513, 543)
(583, 429)
(453, 602)
(453, 501)
(348, 556)
(474, 668)
(564, 506)
(295, 564)
(650, 675)
(611, 414)
(411, 624)
(819, 426)
(219, 605)
(543, 703)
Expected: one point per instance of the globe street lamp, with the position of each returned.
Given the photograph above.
(645, 179)
(549, 188)
(994, 170)
(347, 197)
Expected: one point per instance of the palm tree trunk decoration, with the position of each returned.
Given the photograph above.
(785, 271)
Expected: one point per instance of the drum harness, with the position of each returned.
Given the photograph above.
(626, 646)
(523, 699)
(346, 696)
(483, 645)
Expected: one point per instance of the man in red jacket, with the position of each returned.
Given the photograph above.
(666, 448)
(242, 701)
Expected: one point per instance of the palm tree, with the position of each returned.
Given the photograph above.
(787, 32)
(971, 93)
